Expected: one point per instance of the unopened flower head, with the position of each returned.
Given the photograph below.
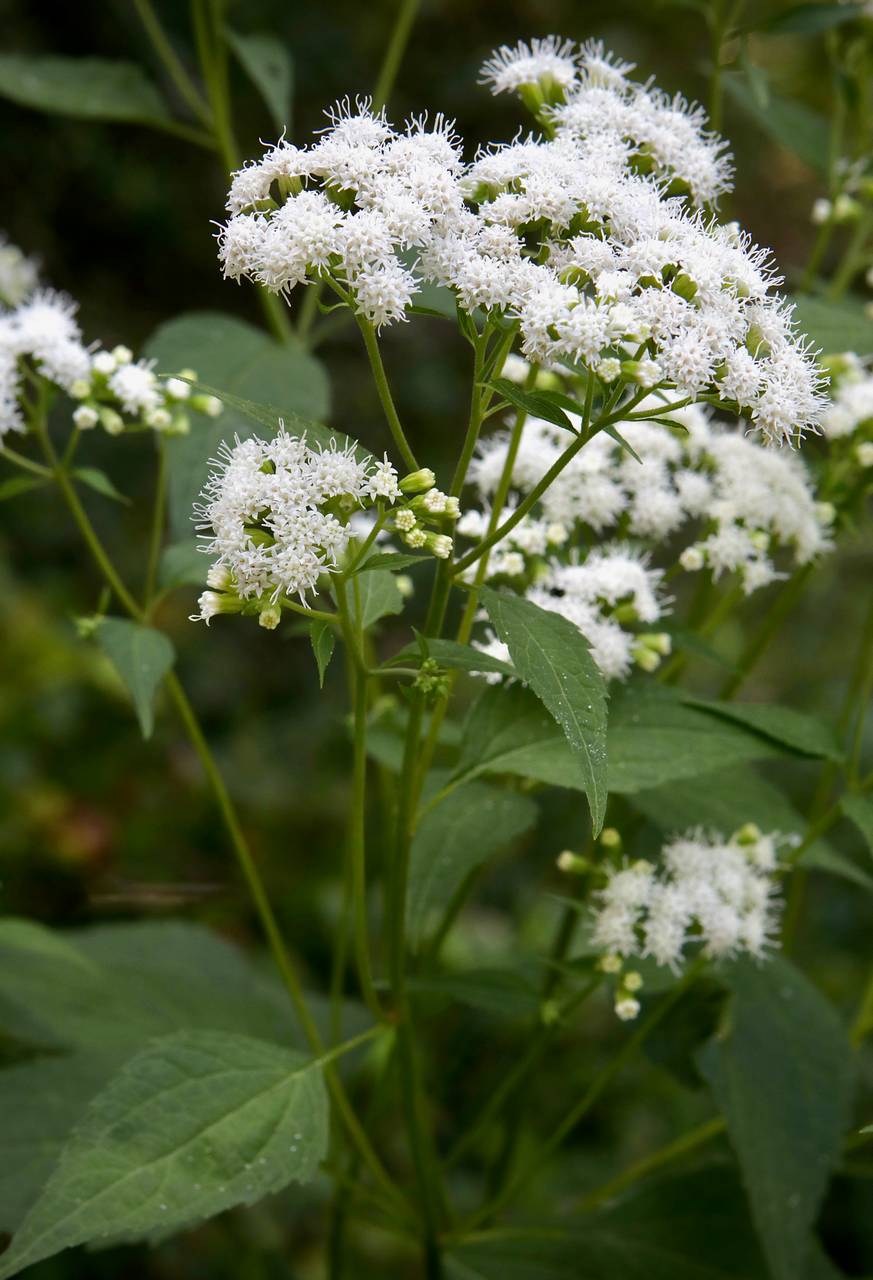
(19, 274)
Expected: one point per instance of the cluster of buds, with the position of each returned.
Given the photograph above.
(117, 386)
(650, 648)
(422, 519)
(431, 680)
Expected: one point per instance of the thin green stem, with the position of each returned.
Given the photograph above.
(25, 464)
(232, 825)
(172, 63)
(156, 538)
(852, 259)
(379, 376)
(400, 34)
(357, 839)
(588, 1099)
(674, 1150)
(779, 610)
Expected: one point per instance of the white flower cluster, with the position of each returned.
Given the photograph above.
(741, 502)
(43, 331)
(276, 515)
(850, 412)
(350, 205)
(19, 275)
(587, 237)
(720, 893)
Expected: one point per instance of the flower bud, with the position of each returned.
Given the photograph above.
(159, 419)
(846, 209)
(556, 534)
(610, 963)
(122, 355)
(210, 405)
(439, 544)
(104, 363)
(822, 211)
(627, 1008)
(632, 981)
(404, 585)
(219, 577)
(646, 659)
(659, 641)
(418, 481)
(270, 617)
(646, 373)
(80, 389)
(692, 559)
(111, 422)
(452, 508)
(608, 369)
(213, 602)
(826, 512)
(177, 389)
(415, 537)
(610, 838)
(864, 453)
(572, 863)
(85, 417)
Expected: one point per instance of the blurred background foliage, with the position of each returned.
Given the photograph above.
(97, 825)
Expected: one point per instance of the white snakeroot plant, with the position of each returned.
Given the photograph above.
(627, 481)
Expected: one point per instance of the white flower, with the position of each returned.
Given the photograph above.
(550, 61)
(136, 387)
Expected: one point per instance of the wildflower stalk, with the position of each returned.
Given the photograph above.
(228, 813)
(757, 645)
(156, 537)
(374, 355)
(681, 1146)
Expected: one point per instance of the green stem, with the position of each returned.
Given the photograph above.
(400, 34)
(680, 1146)
(229, 817)
(776, 615)
(852, 258)
(19, 460)
(588, 1099)
(172, 64)
(357, 836)
(375, 357)
(156, 538)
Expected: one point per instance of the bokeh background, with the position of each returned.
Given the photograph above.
(97, 825)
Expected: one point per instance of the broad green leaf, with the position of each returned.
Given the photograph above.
(16, 485)
(726, 799)
(781, 1072)
(505, 993)
(791, 124)
(460, 657)
(835, 326)
(456, 836)
(99, 481)
(87, 88)
(322, 638)
(268, 65)
(258, 379)
(859, 809)
(373, 596)
(552, 657)
(193, 1124)
(807, 19)
(692, 1227)
(183, 564)
(794, 729)
(142, 657)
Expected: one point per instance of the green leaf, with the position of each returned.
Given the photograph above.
(16, 485)
(807, 19)
(460, 657)
(193, 1124)
(373, 596)
(393, 560)
(691, 1227)
(505, 993)
(183, 564)
(551, 655)
(781, 1072)
(541, 404)
(99, 481)
(793, 125)
(258, 379)
(835, 326)
(795, 729)
(859, 809)
(455, 837)
(142, 657)
(322, 638)
(268, 65)
(86, 88)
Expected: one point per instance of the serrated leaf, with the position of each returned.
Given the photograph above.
(835, 326)
(455, 837)
(551, 655)
(183, 564)
(16, 485)
(540, 404)
(373, 596)
(267, 63)
(795, 729)
(258, 380)
(859, 809)
(99, 481)
(460, 657)
(87, 88)
(142, 657)
(323, 639)
(193, 1124)
(781, 1072)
